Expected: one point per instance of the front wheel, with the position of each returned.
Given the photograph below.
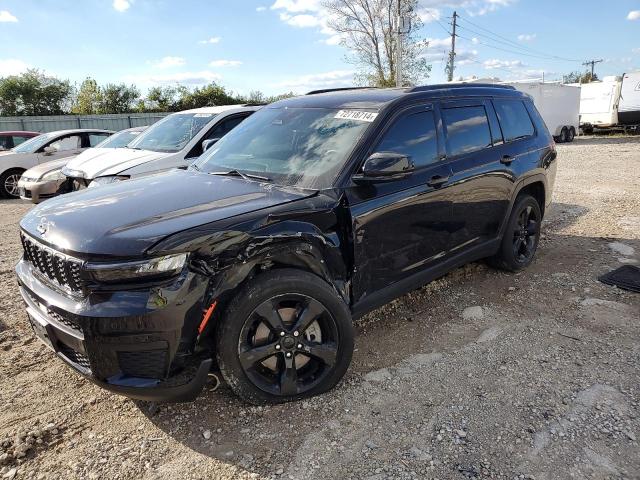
(9, 183)
(285, 336)
(521, 237)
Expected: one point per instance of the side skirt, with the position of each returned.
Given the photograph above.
(417, 280)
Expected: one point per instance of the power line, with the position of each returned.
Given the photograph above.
(495, 37)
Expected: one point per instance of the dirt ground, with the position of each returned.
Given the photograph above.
(481, 374)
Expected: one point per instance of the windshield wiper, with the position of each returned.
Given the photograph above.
(246, 176)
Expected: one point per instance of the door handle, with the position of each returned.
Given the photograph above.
(437, 181)
(507, 159)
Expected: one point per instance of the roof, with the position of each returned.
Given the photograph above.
(378, 98)
(218, 109)
(24, 133)
(77, 130)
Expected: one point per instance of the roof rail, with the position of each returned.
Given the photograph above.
(442, 86)
(255, 104)
(325, 90)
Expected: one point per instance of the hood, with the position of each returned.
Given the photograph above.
(39, 170)
(98, 162)
(126, 218)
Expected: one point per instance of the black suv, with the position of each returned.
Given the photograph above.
(257, 258)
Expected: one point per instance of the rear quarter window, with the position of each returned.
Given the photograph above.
(467, 129)
(514, 119)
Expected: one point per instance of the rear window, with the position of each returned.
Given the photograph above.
(467, 129)
(514, 119)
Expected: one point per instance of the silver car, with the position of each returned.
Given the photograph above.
(43, 181)
(41, 149)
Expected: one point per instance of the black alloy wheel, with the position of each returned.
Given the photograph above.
(521, 237)
(525, 235)
(288, 345)
(285, 335)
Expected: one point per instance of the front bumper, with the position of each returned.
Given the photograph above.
(36, 192)
(138, 343)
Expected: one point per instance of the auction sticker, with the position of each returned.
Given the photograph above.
(356, 115)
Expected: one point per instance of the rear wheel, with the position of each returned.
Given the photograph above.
(521, 237)
(286, 335)
(9, 183)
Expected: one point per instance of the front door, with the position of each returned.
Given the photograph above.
(401, 227)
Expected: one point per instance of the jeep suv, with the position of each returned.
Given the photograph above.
(255, 260)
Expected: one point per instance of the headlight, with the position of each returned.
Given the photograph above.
(98, 182)
(159, 267)
(52, 175)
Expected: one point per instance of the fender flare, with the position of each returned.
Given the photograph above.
(535, 178)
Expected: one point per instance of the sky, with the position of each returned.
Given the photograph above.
(277, 46)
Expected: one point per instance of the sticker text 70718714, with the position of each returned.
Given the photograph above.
(357, 115)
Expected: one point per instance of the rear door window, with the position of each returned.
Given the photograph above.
(5, 143)
(17, 140)
(96, 138)
(514, 119)
(413, 135)
(467, 129)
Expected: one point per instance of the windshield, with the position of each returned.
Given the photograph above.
(301, 147)
(33, 144)
(172, 133)
(118, 140)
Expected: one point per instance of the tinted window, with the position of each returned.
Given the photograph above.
(225, 127)
(413, 135)
(514, 119)
(96, 138)
(467, 129)
(17, 140)
(5, 143)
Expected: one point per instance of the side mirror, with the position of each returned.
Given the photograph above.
(50, 150)
(385, 167)
(206, 144)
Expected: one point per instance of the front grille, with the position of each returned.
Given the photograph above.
(69, 322)
(74, 356)
(144, 364)
(57, 267)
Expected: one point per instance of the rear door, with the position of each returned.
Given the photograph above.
(482, 181)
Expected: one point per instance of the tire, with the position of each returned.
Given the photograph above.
(562, 138)
(259, 351)
(7, 179)
(571, 134)
(521, 236)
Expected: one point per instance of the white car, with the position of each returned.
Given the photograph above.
(44, 148)
(174, 141)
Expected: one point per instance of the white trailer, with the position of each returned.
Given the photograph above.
(599, 103)
(629, 107)
(559, 105)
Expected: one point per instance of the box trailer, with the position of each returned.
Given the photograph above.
(629, 106)
(559, 105)
(599, 104)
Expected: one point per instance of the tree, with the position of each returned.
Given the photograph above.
(161, 99)
(118, 98)
(368, 29)
(208, 96)
(34, 93)
(88, 98)
(577, 77)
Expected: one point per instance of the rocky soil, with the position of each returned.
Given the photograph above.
(480, 374)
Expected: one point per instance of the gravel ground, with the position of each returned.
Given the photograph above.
(480, 374)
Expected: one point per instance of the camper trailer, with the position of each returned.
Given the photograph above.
(599, 104)
(629, 106)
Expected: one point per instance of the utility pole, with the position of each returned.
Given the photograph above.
(452, 54)
(399, 48)
(593, 64)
